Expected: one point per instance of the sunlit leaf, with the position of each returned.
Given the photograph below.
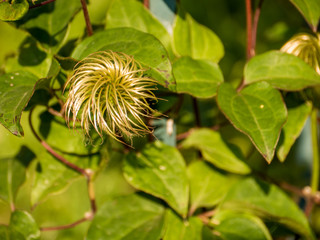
(215, 150)
(195, 40)
(297, 117)
(132, 13)
(133, 217)
(267, 201)
(48, 23)
(160, 170)
(310, 9)
(13, 11)
(144, 47)
(258, 111)
(235, 225)
(199, 78)
(281, 70)
(208, 186)
(177, 228)
(16, 89)
(23, 227)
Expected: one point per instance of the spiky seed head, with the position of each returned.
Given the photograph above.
(109, 92)
(306, 47)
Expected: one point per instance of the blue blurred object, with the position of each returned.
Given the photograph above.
(164, 11)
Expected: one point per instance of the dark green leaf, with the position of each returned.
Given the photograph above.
(13, 11)
(267, 201)
(132, 13)
(297, 117)
(4, 232)
(16, 90)
(199, 78)
(144, 47)
(215, 150)
(132, 217)
(258, 111)
(13, 172)
(179, 229)
(310, 9)
(207, 185)
(48, 23)
(195, 40)
(160, 170)
(281, 70)
(235, 225)
(23, 227)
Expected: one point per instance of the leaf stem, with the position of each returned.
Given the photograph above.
(196, 111)
(249, 29)
(53, 152)
(255, 25)
(315, 151)
(65, 226)
(146, 3)
(41, 4)
(86, 17)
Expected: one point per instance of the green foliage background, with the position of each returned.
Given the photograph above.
(52, 194)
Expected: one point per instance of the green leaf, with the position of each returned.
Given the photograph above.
(195, 40)
(179, 229)
(16, 90)
(267, 201)
(35, 60)
(310, 9)
(235, 225)
(199, 78)
(160, 170)
(4, 232)
(297, 117)
(258, 111)
(51, 175)
(132, 217)
(13, 11)
(13, 173)
(132, 13)
(144, 47)
(281, 70)
(215, 150)
(207, 185)
(23, 227)
(48, 23)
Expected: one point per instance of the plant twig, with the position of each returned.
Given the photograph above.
(86, 17)
(41, 4)
(255, 25)
(64, 226)
(146, 3)
(196, 111)
(53, 152)
(315, 151)
(249, 29)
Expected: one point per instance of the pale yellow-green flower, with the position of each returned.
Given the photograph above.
(109, 92)
(306, 47)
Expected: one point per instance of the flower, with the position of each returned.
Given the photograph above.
(306, 47)
(109, 90)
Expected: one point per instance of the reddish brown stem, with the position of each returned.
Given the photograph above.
(53, 152)
(146, 3)
(249, 29)
(255, 25)
(86, 17)
(65, 226)
(41, 4)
